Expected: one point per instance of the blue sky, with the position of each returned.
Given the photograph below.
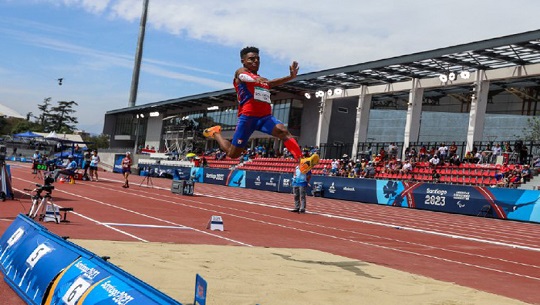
(192, 47)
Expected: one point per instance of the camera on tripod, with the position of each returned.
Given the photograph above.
(3, 153)
(47, 185)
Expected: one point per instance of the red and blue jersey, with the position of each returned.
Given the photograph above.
(253, 97)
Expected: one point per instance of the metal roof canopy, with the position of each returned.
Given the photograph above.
(507, 51)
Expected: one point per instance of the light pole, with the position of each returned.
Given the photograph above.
(138, 57)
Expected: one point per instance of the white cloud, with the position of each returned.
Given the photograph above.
(323, 34)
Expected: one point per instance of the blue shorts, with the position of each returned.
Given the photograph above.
(248, 124)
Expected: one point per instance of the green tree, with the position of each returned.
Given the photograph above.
(22, 125)
(62, 118)
(44, 118)
(532, 131)
(97, 142)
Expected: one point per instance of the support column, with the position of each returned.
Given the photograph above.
(362, 120)
(325, 112)
(477, 113)
(414, 115)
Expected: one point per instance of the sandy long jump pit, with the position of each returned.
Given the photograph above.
(250, 275)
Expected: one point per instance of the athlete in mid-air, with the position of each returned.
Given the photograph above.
(255, 111)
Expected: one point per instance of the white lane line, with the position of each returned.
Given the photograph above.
(389, 225)
(155, 218)
(110, 227)
(370, 244)
(140, 214)
(359, 233)
(138, 225)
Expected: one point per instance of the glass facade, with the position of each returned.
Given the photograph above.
(227, 117)
(124, 125)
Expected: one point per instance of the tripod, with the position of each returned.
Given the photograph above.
(43, 203)
(38, 175)
(148, 180)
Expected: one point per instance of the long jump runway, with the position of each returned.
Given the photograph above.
(500, 257)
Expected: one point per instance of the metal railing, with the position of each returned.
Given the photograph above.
(522, 151)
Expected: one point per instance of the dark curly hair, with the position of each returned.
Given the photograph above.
(246, 50)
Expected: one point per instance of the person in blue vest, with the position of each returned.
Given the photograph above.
(300, 182)
(68, 170)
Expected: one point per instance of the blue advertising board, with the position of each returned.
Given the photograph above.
(347, 188)
(215, 176)
(262, 181)
(118, 163)
(31, 260)
(182, 173)
(236, 178)
(504, 203)
(43, 268)
(200, 290)
(86, 281)
(197, 174)
(285, 183)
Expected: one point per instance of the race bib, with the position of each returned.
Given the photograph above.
(262, 95)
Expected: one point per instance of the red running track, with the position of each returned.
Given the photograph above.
(496, 256)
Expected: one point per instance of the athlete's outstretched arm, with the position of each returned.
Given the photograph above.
(293, 69)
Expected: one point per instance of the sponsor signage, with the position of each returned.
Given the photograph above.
(43, 268)
(215, 176)
(262, 181)
(237, 178)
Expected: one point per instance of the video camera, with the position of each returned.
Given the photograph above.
(3, 153)
(47, 185)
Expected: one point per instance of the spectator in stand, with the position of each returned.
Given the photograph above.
(398, 165)
(389, 166)
(411, 154)
(423, 154)
(382, 153)
(377, 160)
(334, 167)
(432, 152)
(325, 170)
(407, 167)
(523, 154)
(357, 169)
(392, 150)
(469, 157)
(286, 153)
(499, 175)
(443, 152)
(503, 182)
(536, 164)
(526, 173)
(434, 161)
(369, 171)
(507, 147)
(452, 150)
(454, 160)
(435, 176)
(478, 158)
(514, 179)
(496, 151)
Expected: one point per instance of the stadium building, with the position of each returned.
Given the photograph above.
(473, 94)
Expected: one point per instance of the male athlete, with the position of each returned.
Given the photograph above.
(255, 111)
